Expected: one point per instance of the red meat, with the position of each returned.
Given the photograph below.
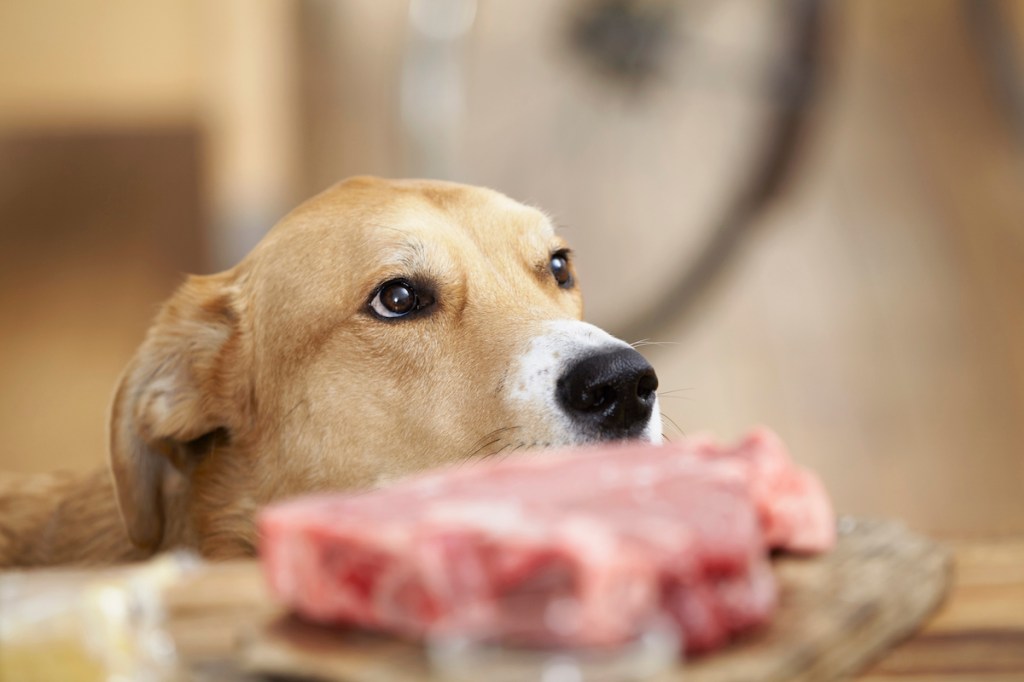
(577, 547)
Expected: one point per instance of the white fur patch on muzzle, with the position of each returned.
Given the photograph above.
(532, 385)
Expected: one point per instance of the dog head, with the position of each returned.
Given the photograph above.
(381, 328)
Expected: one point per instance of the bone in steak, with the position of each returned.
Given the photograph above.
(576, 547)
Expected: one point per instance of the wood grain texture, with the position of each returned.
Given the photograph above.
(979, 633)
(838, 613)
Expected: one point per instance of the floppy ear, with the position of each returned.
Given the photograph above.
(180, 386)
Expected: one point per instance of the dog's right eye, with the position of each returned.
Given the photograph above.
(398, 298)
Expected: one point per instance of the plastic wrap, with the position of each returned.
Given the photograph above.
(78, 626)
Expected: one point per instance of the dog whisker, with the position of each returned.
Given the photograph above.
(672, 421)
(498, 451)
(490, 439)
(674, 390)
(289, 413)
(275, 432)
(672, 394)
(484, 447)
(647, 342)
(476, 446)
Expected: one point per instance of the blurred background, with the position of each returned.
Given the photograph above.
(814, 211)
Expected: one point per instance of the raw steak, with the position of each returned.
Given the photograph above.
(578, 547)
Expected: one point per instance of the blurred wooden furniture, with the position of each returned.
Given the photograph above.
(96, 227)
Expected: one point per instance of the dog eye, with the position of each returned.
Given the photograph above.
(398, 298)
(560, 269)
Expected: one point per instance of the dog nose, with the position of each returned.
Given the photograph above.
(610, 393)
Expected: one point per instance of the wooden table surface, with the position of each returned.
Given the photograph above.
(979, 633)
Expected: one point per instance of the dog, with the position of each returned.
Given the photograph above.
(381, 328)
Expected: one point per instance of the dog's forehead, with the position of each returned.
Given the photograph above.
(367, 216)
(440, 210)
(494, 228)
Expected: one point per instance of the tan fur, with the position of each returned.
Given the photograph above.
(270, 380)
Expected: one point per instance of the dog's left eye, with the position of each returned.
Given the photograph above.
(398, 298)
(560, 269)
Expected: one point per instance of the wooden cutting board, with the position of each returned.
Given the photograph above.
(839, 612)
